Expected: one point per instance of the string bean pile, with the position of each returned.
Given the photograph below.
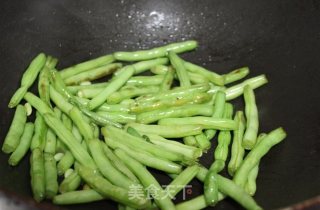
(97, 140)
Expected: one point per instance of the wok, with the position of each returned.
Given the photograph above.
(278, 38)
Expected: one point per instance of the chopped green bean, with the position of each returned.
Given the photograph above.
(160, 69)
(37, 173)
(189, 140)
(92, 74)
(40, 133)
(118, 117)
(168, 131)
(15, 132)
(106, 189)
(70, 183)
(51, 178)
(142, 66)
(236, 75)
(77, 197)
(28, 78)
(145, 80)
(167, 80)
(87, 65)
(203, 142)
(111, 88)
(65, 163)
(181, 111)
(237, 151)
(178, 47)
(204, 122)
(75, 88)
(147, 180)
(211, 188)
(254, 156)
(23, 146)
(181, 71)
(251, 111)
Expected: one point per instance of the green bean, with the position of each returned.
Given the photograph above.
(118, 117)
(236, 75)
(51, 141)
(178, 47)
(70, 183)
(167, 80)
(198, 202)
(28, 108)
(96, 130)
(197, 78)
(133, 132)
(60, 101)
(44, 83)
(211, 76)
(117, 163)
(251, 111)
(146, 179)
(189, 140)
(105, 166)
(179, 182)
(65, 163)
(237, 151)
(219, 103)
(131, 92)
(77, 197)
(28, 78)
(146, 158)
(203, 142)
(145, 80)
(204, 122)
(76, 133)
(160, 69)
(23, 146)
(51, 178)
(237, 90)
(87, 65)
(224, 139)
(67, 122)
(142, 66)
(182, 111)
(251, 185)
(193, 98)
(83, 126)
(168, 131)
(106, 189)
(114, 108)
(181, 71)
(93, 74)
(254, 156)
(116, 134)
(188, 152)
(37, 174)
(211, 188)
(111, 88)
(75, 88)
(40, 133)
(12, 139)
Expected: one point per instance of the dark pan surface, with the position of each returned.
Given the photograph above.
(278, 38)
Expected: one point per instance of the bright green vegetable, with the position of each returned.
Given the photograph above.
(145, 80)
(181, 111)
(106, 168)
(236, 75)
(181, 71)
(182, 180)
(51, 178)
(114, 85)
(204, 122)
(211, 188)
(131, 92)
(75, 88)
(168, 131)
(237, 90)
(224, 139)
(254, 156)
(92, 74)
(77, 197)
(142, 66)
(210, 75)
(251, 185)
(219, 103)
(70, 183)
(189, 140)
(178, 47)
(23, 146)
(51, 142)
(87, 65)
(118, 117)
(198, 202)
(160, 69)
(146, 179)
(106, 189)
(251, 111)
(167, 80)
(40, 133)
(28, 78)
(202, 141)
(16, 129)
(237, 151)
(37, 173)
(65, 163)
